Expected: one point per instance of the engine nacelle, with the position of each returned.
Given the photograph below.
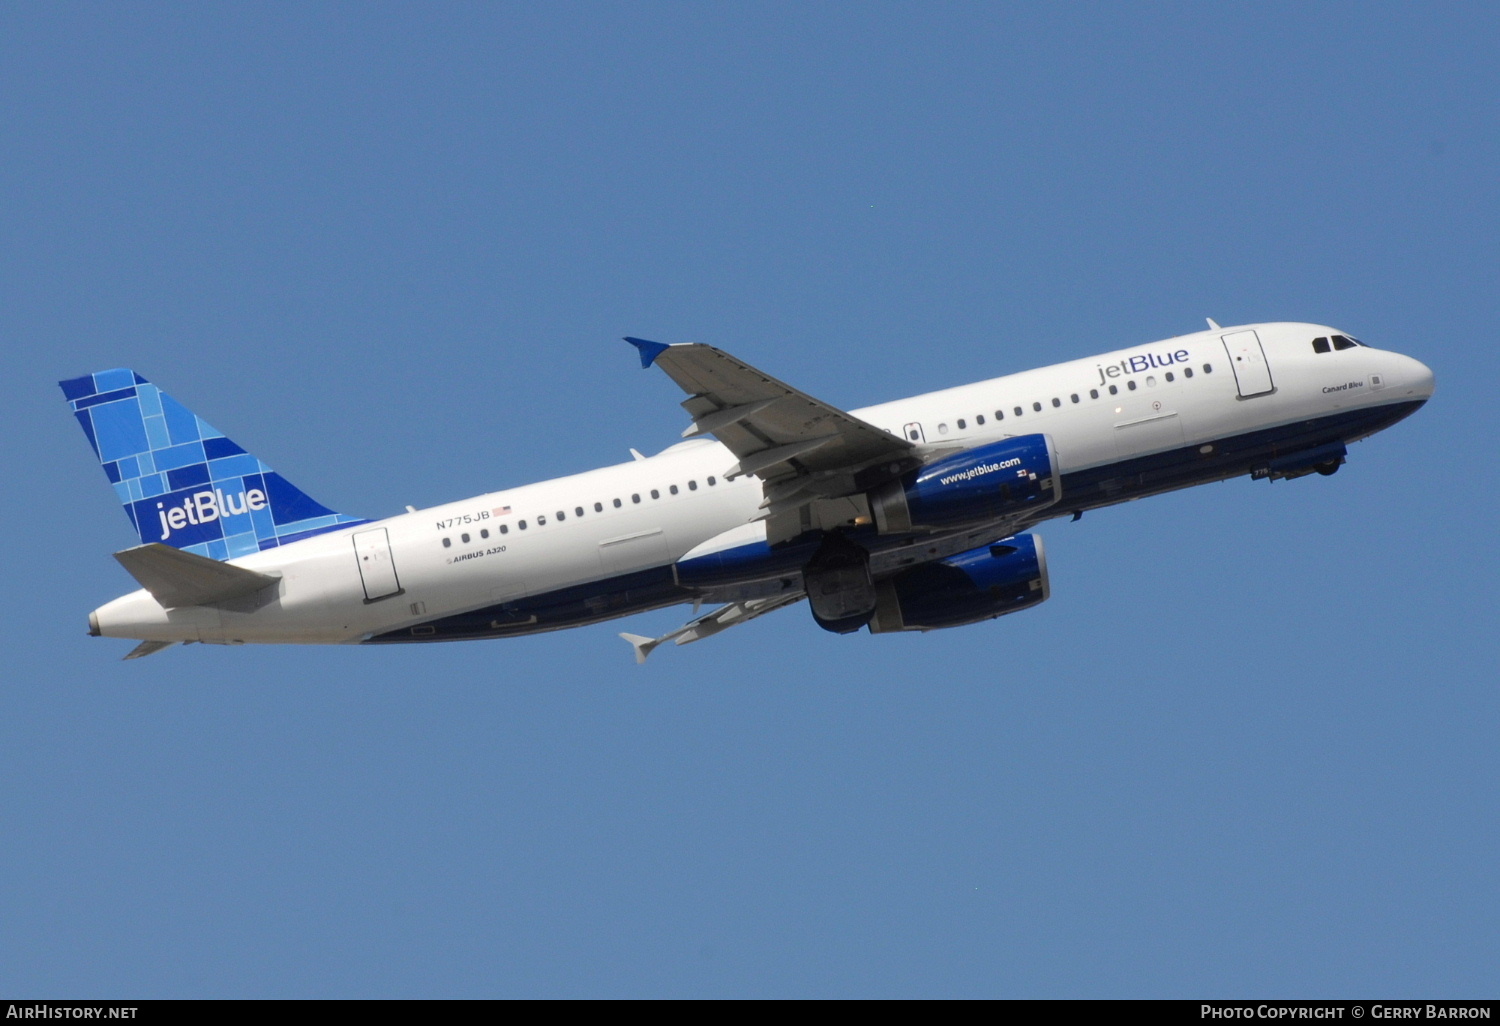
(980, 584)
(971, 487)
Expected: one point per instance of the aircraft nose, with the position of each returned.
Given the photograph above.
(1417, 379)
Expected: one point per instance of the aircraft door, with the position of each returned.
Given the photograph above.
(1251, 372)
(912, 432)
(372, 551)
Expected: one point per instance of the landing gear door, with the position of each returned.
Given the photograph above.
(372, 550)
(1251, 372)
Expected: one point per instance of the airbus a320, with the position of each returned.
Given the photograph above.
(913, 515)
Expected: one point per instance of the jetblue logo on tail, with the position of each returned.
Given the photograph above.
(206, 507)
(182, 482)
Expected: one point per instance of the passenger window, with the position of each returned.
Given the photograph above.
(915, 434)
(521, 525)
(1130, 384)
(1056, 402)
(1074, 397)
(1170, 378)
(561, 516)
(999, 414)
(1036, 407)
(1093, 393)
(1018, 411)
(673, 489)
(1208, 368)
(979, 420)
(484, 532)
(1150, 380)
(447, 543)
(636, 498)
(942, 429)
(464, 538)
(692, 486)
(1320, 345)
(1114, 389)
(598, 507)
(617, 504)
(710, 481)
(1340, 342)
(541, 521)
(578, 511)
(961, 424)
(655, 494)
(504, 529)
(1187, 372)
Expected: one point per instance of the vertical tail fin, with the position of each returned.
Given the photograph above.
(182, 483)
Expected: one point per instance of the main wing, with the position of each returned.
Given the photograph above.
(711, 623)
(815, 460)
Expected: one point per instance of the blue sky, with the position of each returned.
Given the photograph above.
(1246, 748)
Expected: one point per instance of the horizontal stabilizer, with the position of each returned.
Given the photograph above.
(146, 648)
(177, 578)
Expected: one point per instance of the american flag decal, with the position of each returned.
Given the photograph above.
(500, 511)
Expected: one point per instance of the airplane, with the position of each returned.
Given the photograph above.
(913, 515)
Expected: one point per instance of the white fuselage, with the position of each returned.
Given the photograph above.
(650, 512)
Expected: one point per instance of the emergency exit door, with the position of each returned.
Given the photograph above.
(1252, 374)
(372, 549)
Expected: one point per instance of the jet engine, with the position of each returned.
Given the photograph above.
(970, 487)
(980, 584)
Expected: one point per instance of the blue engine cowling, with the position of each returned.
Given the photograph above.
(980, 584)
(970, 487)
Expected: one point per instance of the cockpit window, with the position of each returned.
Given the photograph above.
(1343, 342)
(1320, 345)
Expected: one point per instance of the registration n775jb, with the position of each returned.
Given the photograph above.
(910, 515)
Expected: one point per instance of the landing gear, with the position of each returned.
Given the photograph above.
(1325, 459)
(839, 587)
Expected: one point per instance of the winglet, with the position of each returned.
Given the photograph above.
(642, 645)
(649, 350)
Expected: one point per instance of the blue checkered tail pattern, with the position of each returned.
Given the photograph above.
(182, 483)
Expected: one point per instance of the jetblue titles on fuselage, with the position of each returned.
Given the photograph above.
(1140, 363)
(910, 515)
